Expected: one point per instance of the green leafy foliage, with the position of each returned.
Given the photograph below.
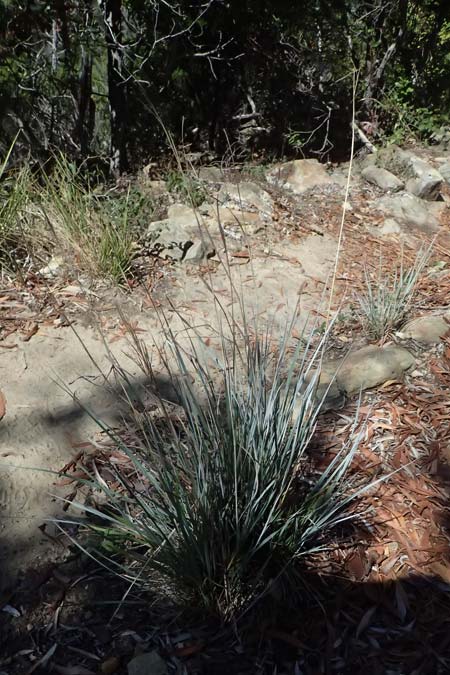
(286, 66)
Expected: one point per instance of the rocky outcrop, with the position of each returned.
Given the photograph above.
(422, 179)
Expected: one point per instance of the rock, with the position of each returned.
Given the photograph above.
(299, 175)
(382, 178)
(246, 196)
(235, 219)
(371, 366)
(147, 664)
(444, 170)
(394, 159)
(361, 369)
(189, 215)
(423, 180)
(427, 182)
(409, 210)
(211, 174)
(427, 329)
(441, 136)
(389, 226)
(53, 268)
(198, 253)
(181, 230)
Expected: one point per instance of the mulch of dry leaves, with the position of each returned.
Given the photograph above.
(382, 601)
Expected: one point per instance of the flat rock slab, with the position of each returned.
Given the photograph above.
(427, 329)
(300, 175)
(409, 210)
(361, 369)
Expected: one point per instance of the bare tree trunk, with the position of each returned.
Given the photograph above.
(112, 17)
(376, 72)
(86, 106)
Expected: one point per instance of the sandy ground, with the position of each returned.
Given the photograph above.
(43, 424)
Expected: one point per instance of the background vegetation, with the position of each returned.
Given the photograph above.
(224, 76)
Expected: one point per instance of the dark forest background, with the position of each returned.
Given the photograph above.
(234, 78)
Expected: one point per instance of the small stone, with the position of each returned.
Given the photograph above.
(390, 226)
(147, 664)
(382, 178)
(53, 268)
(197, 253)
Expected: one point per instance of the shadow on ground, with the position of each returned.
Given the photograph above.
(397, 628)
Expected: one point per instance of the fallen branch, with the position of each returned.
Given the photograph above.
(363, 137)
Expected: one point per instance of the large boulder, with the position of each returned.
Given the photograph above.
(299, 175)
(382, 178)
(409, 210)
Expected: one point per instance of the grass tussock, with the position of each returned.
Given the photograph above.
(102, 245)
(16, 232)
(386, 302)
(225, 502)
(59, 212)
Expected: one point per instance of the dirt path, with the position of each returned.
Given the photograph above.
(43, 425)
